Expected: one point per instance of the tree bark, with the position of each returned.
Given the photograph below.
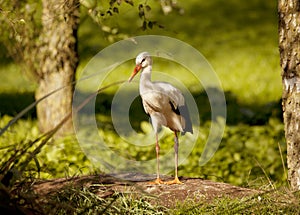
(289, 46)
(58, 59)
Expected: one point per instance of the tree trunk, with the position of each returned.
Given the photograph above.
(57, 58)
(289, 46)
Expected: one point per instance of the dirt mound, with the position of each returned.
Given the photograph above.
(165, 195)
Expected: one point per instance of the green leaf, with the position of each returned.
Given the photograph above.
(146, 127)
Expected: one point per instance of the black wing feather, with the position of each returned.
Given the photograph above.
(184, 112)
(174, 109)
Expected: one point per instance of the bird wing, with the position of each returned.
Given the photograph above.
(154, 101)
(175, 96)
(170, 96)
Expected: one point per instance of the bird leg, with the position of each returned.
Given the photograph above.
(176, 145)
(158, 180)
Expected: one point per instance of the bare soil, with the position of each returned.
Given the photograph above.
(166, 195)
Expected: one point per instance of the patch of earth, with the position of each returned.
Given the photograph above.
(165, 195)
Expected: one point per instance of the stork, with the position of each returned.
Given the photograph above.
(166, 106)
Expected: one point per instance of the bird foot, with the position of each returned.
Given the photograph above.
(157, 181)
(175, 181)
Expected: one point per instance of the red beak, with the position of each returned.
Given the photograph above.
(137, 68)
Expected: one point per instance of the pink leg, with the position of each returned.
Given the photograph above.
(176, 145)
(157, 148)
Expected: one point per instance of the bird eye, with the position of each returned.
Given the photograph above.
(143, 60)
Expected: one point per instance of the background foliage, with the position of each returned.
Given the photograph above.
(240, 41)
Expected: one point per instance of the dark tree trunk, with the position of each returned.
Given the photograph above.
(289, 46)
(57, 57)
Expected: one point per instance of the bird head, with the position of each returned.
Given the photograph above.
(142, 60)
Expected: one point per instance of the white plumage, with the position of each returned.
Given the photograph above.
(165, 104)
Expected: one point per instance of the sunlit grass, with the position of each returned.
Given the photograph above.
(238, 40)
(14, 80)
(265, 203)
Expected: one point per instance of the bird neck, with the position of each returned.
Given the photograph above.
(145, 79)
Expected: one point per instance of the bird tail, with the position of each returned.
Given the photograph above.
(184, 112)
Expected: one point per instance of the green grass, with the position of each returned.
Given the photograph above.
(239, 39)
(88, 200)
(266, 203)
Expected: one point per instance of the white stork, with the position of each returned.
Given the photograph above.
(166, 106)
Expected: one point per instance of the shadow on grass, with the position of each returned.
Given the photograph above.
(237, 111)
(13, 103)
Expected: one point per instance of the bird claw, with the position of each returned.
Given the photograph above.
(175, 181)
(157, 181)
